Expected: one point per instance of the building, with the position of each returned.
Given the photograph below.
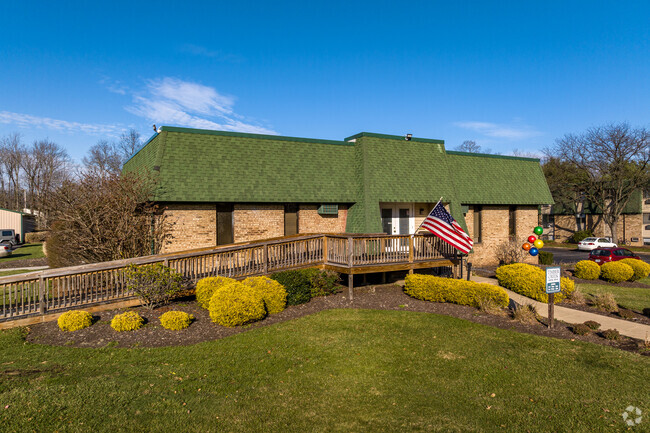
(221, 187)
(19, 222)
(633, 227)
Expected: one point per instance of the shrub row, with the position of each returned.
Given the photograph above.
(613, 272)
(129, 321)
(530, 281)
(437, 289)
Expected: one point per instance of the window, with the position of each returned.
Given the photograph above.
(328, 209)
(290, 219)
(478, 223)
(512, 223)
(225, 232)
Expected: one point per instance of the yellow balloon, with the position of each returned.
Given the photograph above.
(539, 244)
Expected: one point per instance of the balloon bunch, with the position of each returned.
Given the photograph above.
(534, 245)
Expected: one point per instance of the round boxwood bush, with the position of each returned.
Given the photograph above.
(530, 281)
(206, 287)
(236, 304)
(129, 321)
(273, 293)
(176, 320)
(587, 270)
(74, 320)
(615, 272)
(641, 269)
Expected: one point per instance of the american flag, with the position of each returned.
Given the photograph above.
(440, 223)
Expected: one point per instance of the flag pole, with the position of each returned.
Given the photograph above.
(416, 230)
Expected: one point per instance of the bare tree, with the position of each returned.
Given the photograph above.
(469, 146)
(100, 218)
(567, 184)
(103, 159)
(614, 161)
(129, 143)
(12, 150)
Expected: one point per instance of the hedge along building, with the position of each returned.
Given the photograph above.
(221, 187)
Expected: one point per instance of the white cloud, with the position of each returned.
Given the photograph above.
(170, 101)
(198, 50)
(29, 121)
(488, 129)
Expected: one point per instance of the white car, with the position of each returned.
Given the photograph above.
(588, 244)
(5, 250)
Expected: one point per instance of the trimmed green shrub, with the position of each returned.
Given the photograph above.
(545, 258)
(155, 284)
(176, 320)
(129, 321)
(437, 289)
(611, 334)
(272, 292)
(530, 281)
(616, 272)
(74, 320)
(324, 282)
(580, 235)
(297, 283)
(587, 270)
(641, 269)
(236, 304)
(592, 324)
(580, 329)
(206, 287)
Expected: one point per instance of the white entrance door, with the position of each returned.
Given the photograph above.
(397, 218)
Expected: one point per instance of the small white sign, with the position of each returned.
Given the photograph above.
(553, 280)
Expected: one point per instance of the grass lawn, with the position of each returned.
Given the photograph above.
(338, 370)
(27, 251)
(632, 298)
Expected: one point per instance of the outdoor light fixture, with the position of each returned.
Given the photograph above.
(408, 137)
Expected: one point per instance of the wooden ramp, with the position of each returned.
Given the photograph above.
(53, 291)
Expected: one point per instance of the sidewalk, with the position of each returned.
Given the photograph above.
(569, 315)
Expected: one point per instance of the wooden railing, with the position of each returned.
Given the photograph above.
(55, 290)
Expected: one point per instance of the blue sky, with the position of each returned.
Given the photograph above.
(509, 75)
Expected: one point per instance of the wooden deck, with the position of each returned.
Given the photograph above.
(56, 290)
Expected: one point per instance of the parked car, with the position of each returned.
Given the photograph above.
(5, 250)
(588, 244)
(8, 236)
(605, 255)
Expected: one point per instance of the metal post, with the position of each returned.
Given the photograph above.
(469, 271)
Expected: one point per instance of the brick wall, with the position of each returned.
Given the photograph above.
(258, 221)
(495, 231)
(309, 221)
(190, 226)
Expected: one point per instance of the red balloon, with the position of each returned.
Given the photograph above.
(526, 246)
(531, 239)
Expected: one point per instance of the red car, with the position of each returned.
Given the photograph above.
(604, 255)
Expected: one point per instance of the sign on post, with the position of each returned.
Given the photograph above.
(553, 280)
(553, 276)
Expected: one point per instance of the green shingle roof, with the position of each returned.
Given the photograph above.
(364, 170)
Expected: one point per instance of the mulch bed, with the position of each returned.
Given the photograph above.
(382, 297)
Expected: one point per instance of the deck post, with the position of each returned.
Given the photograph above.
(266, 258)
(325, 249)
(41, 294)
(350, 266)
(411, 253)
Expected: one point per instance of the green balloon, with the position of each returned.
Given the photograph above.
(538, 230)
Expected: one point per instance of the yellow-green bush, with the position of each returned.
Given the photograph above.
(641, 269)
(176, 320)
(530, 281)
(436, 289)
(615, 272)
(587, 270)
(273, 293)
(236, 304)
(206, 287)
(74, 320)
(129, 321)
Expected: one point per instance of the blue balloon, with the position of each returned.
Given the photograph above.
(533, 251)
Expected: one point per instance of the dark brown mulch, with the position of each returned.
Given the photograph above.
(383, 297)
(22, 263)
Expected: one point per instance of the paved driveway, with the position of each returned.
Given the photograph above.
(565, 255)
